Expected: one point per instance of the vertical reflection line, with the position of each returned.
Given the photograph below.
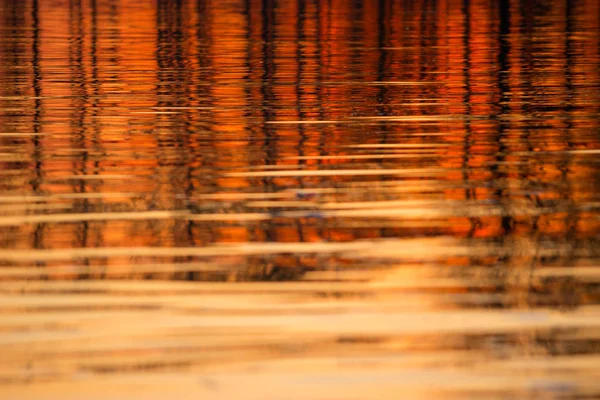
(171, 86)
(469, 193)
(268, 50)
(95, 82)
(186, 99)
(192, 144)
(356, 63)
(423, 41)
(526, 68)
(300, 17)
(94, 61)
(169, 83)
(503, 54)
(319, 77)
(37, 156)
(500, 113)
(324, 55)
(253, 234)
(319, 93)
(182, 80)
(325, 59)
(161, 57)
(38, 92)
(95, 88)
(571, 218)
(382, 65)
(164, 85)
(92, 107)
(382, 106)
(78, 84)
(190, 187)
(248, 110)
(299, 75)
(207, 157)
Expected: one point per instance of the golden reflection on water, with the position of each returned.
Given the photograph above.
(299, 199)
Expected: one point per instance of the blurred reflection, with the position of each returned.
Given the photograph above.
(448, 145)
(487, 107)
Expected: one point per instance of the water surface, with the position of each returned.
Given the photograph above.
(299, 199)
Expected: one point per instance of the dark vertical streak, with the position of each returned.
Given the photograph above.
(268, 53)
(248, 78)
(204, 154)
(383, 67)
(37, 116)
(319, 44)
(469, 192)
(323, 136)
(572, 216)
(38, 93)
(507, 221)
(80, 107)
(382, 64)
(301, 16)
(526, 71)
(321, 90)
(267, 81)
(467, 94)
(382, 106)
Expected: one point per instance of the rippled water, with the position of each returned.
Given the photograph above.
(299, 199)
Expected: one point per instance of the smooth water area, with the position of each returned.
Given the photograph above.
(299, 199)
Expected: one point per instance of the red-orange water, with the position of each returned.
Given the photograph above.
(299, 199)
